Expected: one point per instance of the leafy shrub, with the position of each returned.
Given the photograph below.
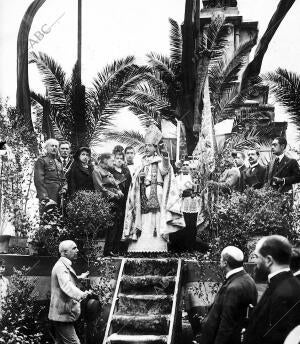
(50, 232)
(19, 321)
(89, 215)
(238, 217)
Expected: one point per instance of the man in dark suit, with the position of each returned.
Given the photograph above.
(225, 320)
(278, 311)
(66, 157)
(283, 172)
(255, 175)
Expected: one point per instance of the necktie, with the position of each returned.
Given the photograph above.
(275, 167)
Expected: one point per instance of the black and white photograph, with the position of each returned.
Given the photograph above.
(149, 172)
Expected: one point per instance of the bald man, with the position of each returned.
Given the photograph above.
(278, 310)
(65, 295)
(225, 320)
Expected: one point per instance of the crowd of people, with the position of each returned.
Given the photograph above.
(58, 175)
(156, 209)
(281, 172)
(235, 316)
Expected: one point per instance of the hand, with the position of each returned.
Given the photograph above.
(62, 191)
(86, 294)
(84, 275)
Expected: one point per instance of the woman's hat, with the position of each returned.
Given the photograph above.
(80, 150)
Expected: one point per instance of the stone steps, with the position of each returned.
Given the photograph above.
(161, 267)
(144, 304)
(140, 339)
(141, 324)
(144, 307)
(148, 284)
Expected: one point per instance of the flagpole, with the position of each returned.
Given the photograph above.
(79, 38)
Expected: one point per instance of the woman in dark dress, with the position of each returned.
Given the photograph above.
(80, 175)
(122, 175)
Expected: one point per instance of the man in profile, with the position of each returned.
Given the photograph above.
(283, 171)
(225, 319)
(65, 295)
(232, 178)
(278, 310)
(255, 175)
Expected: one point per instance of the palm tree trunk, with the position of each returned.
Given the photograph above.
(254, 67)
(23, 93)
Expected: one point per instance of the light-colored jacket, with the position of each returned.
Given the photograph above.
(65, 296)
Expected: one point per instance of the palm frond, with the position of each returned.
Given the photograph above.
(127, 137)
(163, 66)
(215, 37)
(53, 77)
(285, 86)
(175, 42)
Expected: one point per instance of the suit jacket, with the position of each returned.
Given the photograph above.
(289, 169)
(230, 179)
(79, 178)
(67, 164)
(65, 296)
(277, 313)
(124, 180)
(49, 178)
(225, 319)
(255, 177)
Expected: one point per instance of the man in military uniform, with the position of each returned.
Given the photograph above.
(49, 178)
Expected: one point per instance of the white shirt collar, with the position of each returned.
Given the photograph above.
(280, 157)
(254, 165)
(277, 272)
(297, 273)
(66, 261)
(233, 271)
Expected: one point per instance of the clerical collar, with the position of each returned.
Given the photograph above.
(254, 165)
(297, 273)
(280, 157)
(234, 271)
(270, 276)
(66, 261)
